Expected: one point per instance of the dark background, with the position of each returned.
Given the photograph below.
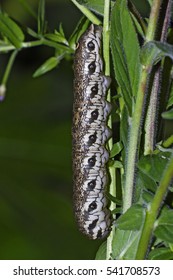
(36, 211)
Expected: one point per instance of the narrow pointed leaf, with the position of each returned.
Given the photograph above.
(116, 164)
(56, 37)
(168, 115)
(116, 149)
(51, 63)
(125, 52)
(41, 16)
(11, 30)
(80, 28)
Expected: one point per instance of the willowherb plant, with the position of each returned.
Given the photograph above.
(136, 53)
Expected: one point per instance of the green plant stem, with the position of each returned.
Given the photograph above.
(153, 210)
(106, 38)
(151, 118)
(150, 123)
(135, 130)
(168, 142)
(31, 44)
(87, 13)
(155, 9)
(134, 141)
(106, 56)
(9, 67)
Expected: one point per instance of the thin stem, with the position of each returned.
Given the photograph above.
(135, 130)
(154, 15)
(166, 21)
(106, 56)
(106, 38)
(87, 13)
(150, 124)
(9, 67)
(24, 45)
(31, 44)
(134, 141)
(151, 119)
(153, 211)
(137, 16)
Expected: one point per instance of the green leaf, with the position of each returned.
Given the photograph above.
(61, 31)
(116, 149)
(117, 210)
(114, 199)
(168, 115)
(164, 228)
(153, 51)
(48, 65)
(56, 37)
(138, 26)
(154, 165)
(101, 253)
(11, 30)
(132, 219)
(41, 17)
(161, 254)
(125, 52)
(116, 164)
(144, 186)
(147, 196)
(150, 2)
(170, 100)
(95, 5)
(30, 32)
(28, 8)
(146, 182)
(79, 30)
(125, 244)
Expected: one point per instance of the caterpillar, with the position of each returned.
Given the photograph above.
(89, 135)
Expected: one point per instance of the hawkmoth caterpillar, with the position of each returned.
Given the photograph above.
(90, 133)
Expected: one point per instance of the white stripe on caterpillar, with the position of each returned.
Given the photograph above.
(90, 133)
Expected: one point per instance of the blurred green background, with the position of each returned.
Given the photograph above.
(36, 211)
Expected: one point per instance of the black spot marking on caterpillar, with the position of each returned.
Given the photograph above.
(94, 114)
(92, 206)
(92, 161)
(92, 138)
(94, 90)
(91, 46)
(92, 184)
(92, 67)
